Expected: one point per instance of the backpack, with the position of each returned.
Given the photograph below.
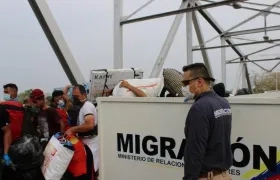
(29, 125)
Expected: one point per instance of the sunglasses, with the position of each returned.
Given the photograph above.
(187, 82)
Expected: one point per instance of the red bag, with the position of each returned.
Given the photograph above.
(77, 166)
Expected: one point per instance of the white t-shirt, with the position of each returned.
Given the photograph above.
(89, 109)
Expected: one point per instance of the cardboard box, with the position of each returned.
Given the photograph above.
(103, 81)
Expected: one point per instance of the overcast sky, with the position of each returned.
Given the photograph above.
(87, 25)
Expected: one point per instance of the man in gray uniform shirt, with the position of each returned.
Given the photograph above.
(208, 154)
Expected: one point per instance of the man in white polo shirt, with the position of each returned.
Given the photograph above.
(86, 128)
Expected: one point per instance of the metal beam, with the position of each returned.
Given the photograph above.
(118, 34)
(235, 45)
(137, 10)
(259, 66)
(170, 13)
(258, 4)
(252, 31)
(168, 42)
(200, 39)
(208, 17)
(261, 10)
(258, 60)
(243, 22)
(256, 52)
(238, 77)
(56, 40)
(189, 35)
(223, 61)
(248, 8)
(274, 67)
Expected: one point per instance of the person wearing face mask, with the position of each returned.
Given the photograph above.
(14, 108)
(208, 152)
(86, 129)
(59, 103)
(48, 119)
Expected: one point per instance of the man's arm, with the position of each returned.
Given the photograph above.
(136, 91)
(5, 127)
(197, 133)
(87, 126)
(7, 138)
(89, 121)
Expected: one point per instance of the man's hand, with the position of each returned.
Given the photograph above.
(124, 84)
(70, 131)
(7, 160)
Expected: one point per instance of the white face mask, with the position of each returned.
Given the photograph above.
(61, 103)
(188, 95)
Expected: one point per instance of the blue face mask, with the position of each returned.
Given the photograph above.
(7, 97)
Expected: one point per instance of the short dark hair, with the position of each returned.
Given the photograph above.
(198, 70)
(11, 85)
(81, 88)
(57, 93)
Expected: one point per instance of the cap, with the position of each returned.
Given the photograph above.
(57, 93)
(37, 94)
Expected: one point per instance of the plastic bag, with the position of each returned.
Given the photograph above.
(57, 159)
(26, 153)
(27, 157)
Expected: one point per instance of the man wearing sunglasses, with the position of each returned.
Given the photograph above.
(208, 128)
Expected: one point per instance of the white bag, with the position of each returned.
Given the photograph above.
(151, 87)
(57, 159)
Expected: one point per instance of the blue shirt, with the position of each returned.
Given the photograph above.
(207, 131)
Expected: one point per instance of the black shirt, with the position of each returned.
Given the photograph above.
(207, 131)
(4, 121)
(49, 122)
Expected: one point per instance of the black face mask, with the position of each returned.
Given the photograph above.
(76, 101)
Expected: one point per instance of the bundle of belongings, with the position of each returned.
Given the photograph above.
(27, 157)
(64, 154)
(151, 87)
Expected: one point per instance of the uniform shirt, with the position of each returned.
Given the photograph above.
(207, 131)
(4, 121)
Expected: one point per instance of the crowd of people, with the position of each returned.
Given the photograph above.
(208, 124)
(68, 115)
